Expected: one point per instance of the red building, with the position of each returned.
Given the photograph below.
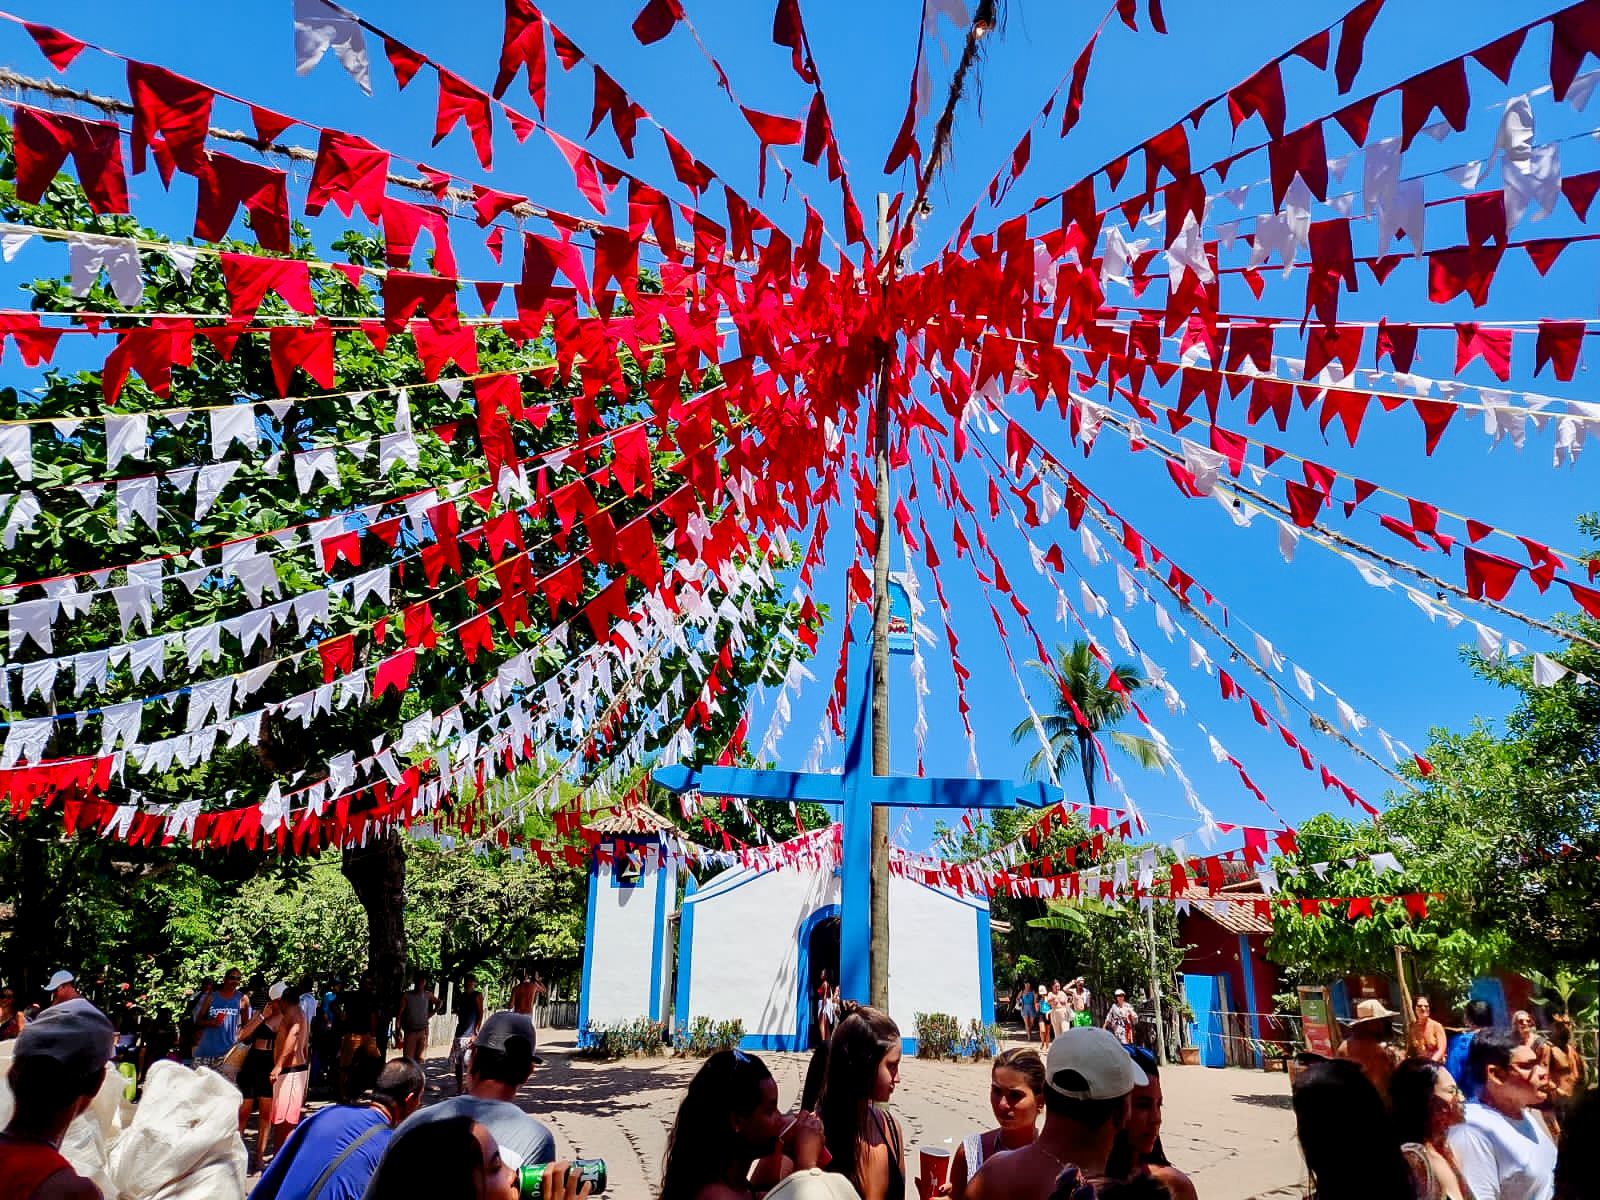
(1228, 983)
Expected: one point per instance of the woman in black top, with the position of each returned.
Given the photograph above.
(862, 1138)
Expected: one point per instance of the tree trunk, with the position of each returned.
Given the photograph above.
(34, 938)
(377, 872)
(1086, 758)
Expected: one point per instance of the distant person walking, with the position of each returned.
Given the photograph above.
(219, 1016)
(417, 1007)
(1062, 1011)
(468, 1012)
(1479, 1016)
(526, 993)
(291, 1067)
(254, 1080)
(1044, 1017)
(358, 1038)
(1122, 1018)
(1027, 1006)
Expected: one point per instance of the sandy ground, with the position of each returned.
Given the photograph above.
(1231, 1130)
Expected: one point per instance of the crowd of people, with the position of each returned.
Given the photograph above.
(1497, 1113)
(1494, 1113)
(1047, 1012)
(1099, 1099)
(375, 1141)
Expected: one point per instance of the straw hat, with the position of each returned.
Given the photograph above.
(1371, 1015)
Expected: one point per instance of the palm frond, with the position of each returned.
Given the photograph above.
(1141, 749)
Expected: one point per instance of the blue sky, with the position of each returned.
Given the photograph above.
(1374, 648)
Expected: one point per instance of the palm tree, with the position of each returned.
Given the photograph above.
(1078, 674)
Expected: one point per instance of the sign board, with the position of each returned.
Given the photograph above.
(900, 620)
(1316, 1019)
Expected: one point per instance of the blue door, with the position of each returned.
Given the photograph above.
(1207, 996)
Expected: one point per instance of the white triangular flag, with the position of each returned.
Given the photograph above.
(319, 27)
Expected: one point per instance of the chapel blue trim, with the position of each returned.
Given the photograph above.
(986, 1013)
(629, 884)
(658, 932)
(584, 1040)
(1247, 961)
(803, 1014)
(855, 851)
(685, 956)
(716, 887)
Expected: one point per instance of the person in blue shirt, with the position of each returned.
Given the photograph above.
(218, 1016)
(1479, 1016)
(332, 1155)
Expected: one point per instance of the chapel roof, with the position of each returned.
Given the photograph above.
(632, 818)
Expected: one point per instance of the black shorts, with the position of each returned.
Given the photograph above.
(255, 1075)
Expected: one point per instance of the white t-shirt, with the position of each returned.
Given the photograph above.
(1502, 1159)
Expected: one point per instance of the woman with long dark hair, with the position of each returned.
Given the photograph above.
(1426, 1103)
(728, 1121)
(864, 1140)
(1349, 1146)
(451, 1159)
(1016, 1097)
(1137, 1150)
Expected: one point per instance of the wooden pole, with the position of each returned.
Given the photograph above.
(879, 978)
(1155, 984)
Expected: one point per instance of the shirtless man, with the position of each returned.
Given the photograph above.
(527, 991)
(291, 1067)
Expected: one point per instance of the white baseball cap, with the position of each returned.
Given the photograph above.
(1089, 1064)
(276, 991)
(59, 979)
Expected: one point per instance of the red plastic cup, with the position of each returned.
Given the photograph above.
(935, 1166)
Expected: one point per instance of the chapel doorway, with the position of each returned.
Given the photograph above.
(822, 960)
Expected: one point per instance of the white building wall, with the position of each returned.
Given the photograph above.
(745, 961)
(622, 943)
(934, 965)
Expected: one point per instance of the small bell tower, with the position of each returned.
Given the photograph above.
(633, 892)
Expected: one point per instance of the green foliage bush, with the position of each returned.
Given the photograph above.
(940, 1035)
(705, 1036)
(981, 1039)
(620, 1039)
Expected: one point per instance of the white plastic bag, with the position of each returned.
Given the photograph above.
(184, 1142)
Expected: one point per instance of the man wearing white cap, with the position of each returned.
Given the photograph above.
(62, 986)
(1088, 1077)
(57, 1066)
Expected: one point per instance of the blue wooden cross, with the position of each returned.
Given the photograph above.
(858, 790)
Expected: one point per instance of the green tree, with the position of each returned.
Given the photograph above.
(1504, 830)
(1080, 685)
